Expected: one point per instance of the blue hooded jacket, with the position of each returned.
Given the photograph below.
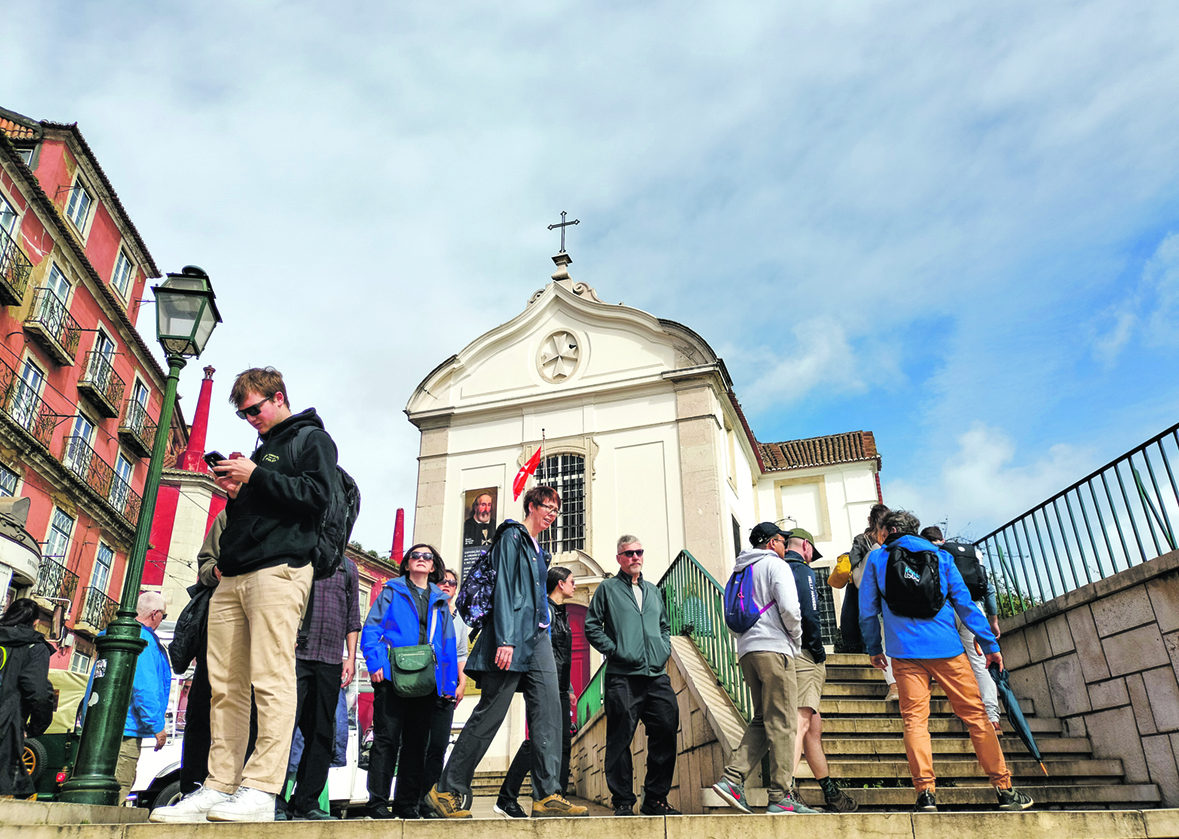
(149, 691)
(935, 637)
(393, 622)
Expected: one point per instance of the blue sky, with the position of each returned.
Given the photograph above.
(956, 225)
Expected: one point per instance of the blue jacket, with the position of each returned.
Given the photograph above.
(808, 602)
(935, 637)
(149, 691)
(393, 622)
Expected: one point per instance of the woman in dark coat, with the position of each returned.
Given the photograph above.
(26, 697)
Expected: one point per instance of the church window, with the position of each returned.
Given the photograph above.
(566, 474)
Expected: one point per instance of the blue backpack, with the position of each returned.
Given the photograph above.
(741, 612)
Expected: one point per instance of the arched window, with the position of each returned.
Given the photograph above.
(566, 474)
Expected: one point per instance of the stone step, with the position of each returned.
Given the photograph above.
(866, 690)
(892, 746)
(970, 797)
(864, 707)
(1060, 770)
(892, 726)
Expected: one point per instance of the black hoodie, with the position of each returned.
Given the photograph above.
(26, 699)
(275, 518)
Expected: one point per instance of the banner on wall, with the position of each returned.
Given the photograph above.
(482, 507)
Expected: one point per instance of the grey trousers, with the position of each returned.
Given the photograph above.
(543, 705)
(978, 663)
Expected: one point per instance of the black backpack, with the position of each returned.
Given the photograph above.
(912, 582)
(335, 528)
(969, 566)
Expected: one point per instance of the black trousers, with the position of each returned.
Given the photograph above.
(194, 749)
(849, 620)
(629, 701)
(317, 694)
(401, 728)
(522, 762)
(439, 739)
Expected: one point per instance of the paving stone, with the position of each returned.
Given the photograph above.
(1084, 631)
(1066, 686)
(1164, 598)
(1160, 760)
(1135, 650)
(1108, 694)
(1161, 824)
(1047, 824)
(1114, 733)
(1060, 639)
(1122, 610)
(1038, 647)
(1163, 693)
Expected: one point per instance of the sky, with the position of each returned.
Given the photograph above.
(955, 225)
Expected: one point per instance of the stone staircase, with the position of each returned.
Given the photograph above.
(862, 740)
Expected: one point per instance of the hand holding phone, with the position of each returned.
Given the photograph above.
(214, 457)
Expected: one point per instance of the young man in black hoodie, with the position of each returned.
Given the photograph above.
(277, 498)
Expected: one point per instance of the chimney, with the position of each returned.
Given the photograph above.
(398, 549)
(193, 458)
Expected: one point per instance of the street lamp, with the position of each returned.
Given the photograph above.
(186, 313)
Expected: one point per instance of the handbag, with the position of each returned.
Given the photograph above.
(413, 666)
(841, 572)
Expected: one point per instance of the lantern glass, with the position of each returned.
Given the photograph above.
(186, 312)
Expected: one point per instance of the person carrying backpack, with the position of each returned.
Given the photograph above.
(918, 589)
(26, 696)
(766, 653)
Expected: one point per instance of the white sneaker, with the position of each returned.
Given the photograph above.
(191, 808)
(245, 805)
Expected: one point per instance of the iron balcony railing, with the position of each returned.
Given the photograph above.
(592, 698)
(22, 404)
(83, 461)
(1119, 516)
(97, 609)
(100, 381)
(15, 269)
(54, 580)
(50, 320)
(137, 430)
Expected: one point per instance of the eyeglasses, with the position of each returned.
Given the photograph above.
(421, 555)
(550, 508)
(163, 614)
(632, 554)
(448, 583)
(254, 409)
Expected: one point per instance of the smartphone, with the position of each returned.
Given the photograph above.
(214, 457)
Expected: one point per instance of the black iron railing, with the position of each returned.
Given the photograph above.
(83, 461)
(49, 313)
(15, 269)
(99, 376)
(137, 429)
(1119, 516)
(20, 402)
(54, 580)
(97, 608)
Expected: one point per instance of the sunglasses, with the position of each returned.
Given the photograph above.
(253, 410)
(421, 555)
(449, 583)
(632, 554)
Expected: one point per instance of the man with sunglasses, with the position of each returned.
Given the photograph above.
(628, 625)
(277, 498)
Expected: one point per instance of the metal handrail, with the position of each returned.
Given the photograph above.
(100, 373)
(137, 421)
(51, 313)
(592, 697)
(83, 461)
(15, 266)
(1054, 547)
(22, 404)
(98, 609)
(54, 580)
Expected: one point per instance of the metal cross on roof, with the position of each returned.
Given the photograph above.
(563, 225)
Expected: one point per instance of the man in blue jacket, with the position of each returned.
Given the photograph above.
(925, 648)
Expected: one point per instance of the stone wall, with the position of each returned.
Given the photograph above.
(1105, 660)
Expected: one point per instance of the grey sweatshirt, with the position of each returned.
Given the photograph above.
(779, 629)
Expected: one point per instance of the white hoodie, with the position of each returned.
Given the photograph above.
(779, 629)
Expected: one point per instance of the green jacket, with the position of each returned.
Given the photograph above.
(634, 644)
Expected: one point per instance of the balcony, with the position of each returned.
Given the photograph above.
(83, 461)
(136, 430)
(15, 269)
(101, 384)
(97, 611)
(24, 407)
(55, 582)
(53, 327)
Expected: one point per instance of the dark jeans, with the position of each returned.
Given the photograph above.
(539, 685)
(436, 749)
(849, 620)
(629, 700)
(522, 762)
(194, 749)
(317, 694)
(401, 728)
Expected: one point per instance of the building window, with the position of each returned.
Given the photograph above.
(79, 451)
(25, 396)
(103, 560)
(57, 541)
(80, 662)
(121, 485)
(7, 216)
(78, 208)
(8, 482)
(121, 278)
(566, 474)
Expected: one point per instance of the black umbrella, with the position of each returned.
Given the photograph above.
(1015, 713)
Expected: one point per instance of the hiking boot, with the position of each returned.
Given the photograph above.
(788, 806)
(245, 805)
(733, 794)
(556, 806)
(623, 810)
(840, 802)
(925, 802)
(1013, 799)
(658, 807)
(509, 808)
(192, 808)
(446, 804)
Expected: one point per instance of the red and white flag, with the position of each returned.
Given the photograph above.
(525, 471)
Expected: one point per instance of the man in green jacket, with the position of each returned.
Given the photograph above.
(628, 625)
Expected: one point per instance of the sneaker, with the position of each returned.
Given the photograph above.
(925, 802)
(658, 807)
(733, 794)
(624, 810)
(1013, 799)
(894, 694)
(313, 815)
(446, 804)
(245, 805)
(380, 811)
(840, 802)
(789, 806)
(192, 808)
(509, 808)
(556, 806)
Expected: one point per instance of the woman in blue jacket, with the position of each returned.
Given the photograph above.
(410, 610)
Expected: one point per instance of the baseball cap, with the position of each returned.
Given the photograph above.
(799, 533)
(764, 532)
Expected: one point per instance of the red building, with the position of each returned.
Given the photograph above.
(80, 392)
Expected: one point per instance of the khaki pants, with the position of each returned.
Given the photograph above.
(126, 764)
(957, 680)
(771, 681)
(253, 624)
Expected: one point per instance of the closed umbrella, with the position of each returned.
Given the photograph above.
(1015, 713)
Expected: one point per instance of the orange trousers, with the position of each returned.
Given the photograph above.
(957, 680)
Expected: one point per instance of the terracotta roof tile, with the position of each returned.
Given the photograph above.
(16, 130)
(850, 447)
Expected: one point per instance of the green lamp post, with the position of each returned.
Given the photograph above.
(186, 313)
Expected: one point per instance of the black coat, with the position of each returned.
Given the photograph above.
(26, 702)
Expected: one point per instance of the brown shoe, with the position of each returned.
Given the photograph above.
(556, 806)
(447, 805)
